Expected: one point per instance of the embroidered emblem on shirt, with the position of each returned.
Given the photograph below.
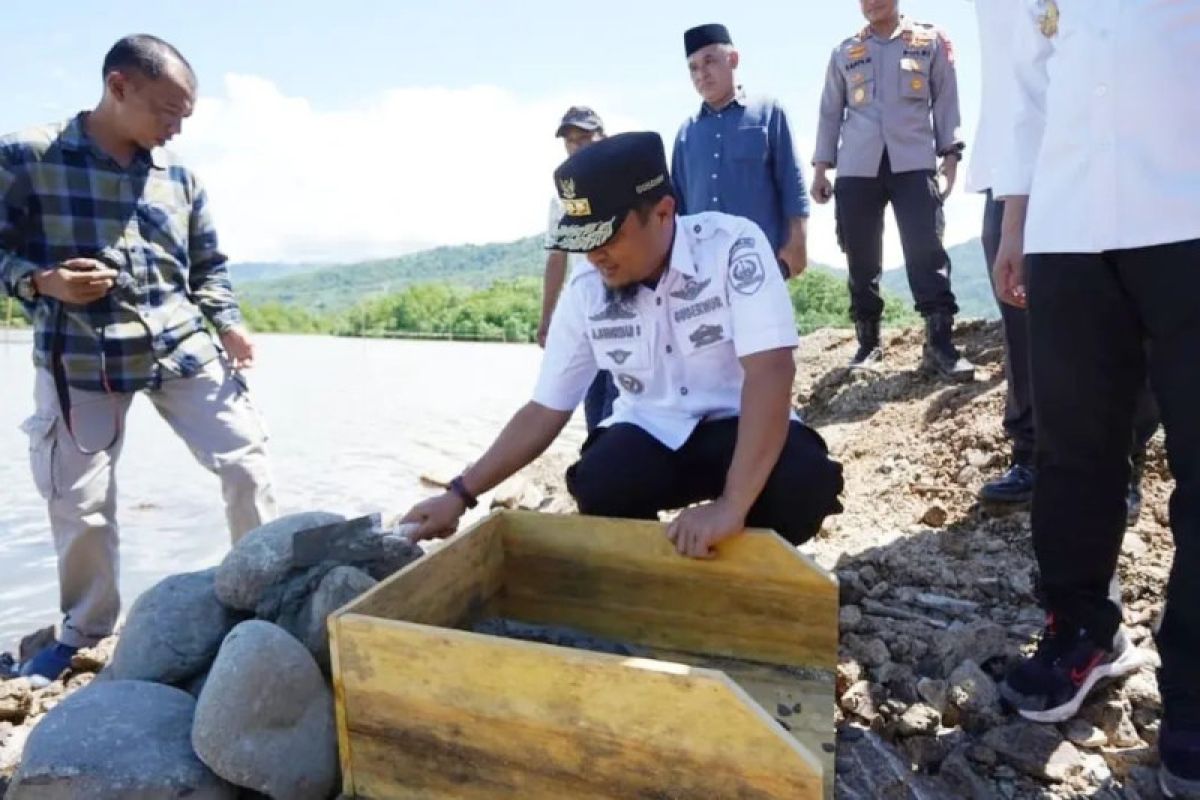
(860, 95)
(1048, 21)
(617, 332)
(699, 309)
(630, 384)
(619, 357)
(614, 310)
(917, 84)
(706, 335)
(856, 52)
(744, 243)
(691, 289)
(746, 274)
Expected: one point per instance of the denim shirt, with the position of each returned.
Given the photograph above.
(740, 160)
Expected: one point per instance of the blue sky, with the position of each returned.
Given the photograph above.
(335, 131)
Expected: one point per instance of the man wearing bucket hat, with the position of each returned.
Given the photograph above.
(736, 154)
(692, 316)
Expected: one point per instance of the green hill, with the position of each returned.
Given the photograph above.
(969, 276)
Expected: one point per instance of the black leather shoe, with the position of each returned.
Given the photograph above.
(1013, 487)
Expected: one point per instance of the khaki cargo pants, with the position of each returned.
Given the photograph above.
(211, 412)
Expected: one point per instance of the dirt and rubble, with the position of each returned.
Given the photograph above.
(938, 594)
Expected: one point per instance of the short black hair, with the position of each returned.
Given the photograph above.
(646, 205)
(147, 54)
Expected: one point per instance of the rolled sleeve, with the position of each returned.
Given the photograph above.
(208, 273)
(761, 310)
(1022, 134)
(789, 178)
(947, 116)
(568, 365)
(833, 109)
(13, 210)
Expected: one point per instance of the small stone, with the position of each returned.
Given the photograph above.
(1083, 733)
(782, 710)
(974, 694)
(1141, 690)
(848, 674)
(935, 516)
(920, 719)
(969, 476)
(1037, 750)
(849, 618)
(963, 780)
(94, 659)
(933, 692)
(16, 700)
(875, 653)
(339, 586)
(982, 755)
(861, 700)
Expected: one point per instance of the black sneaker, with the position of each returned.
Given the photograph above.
(1179, 775)
(1014, 487)
(867, 359)
(1052, 684)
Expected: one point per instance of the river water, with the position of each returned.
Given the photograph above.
(354, 423)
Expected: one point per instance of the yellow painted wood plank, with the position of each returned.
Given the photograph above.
(445, 587)
(435, 713)
(759, 599)
(339, 707)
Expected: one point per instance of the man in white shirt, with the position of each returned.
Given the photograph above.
(580, 127)
(997, 19)
(1101, 242)
(692, 316)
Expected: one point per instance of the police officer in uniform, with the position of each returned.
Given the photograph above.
(736, 153)
(891, 100)
(692, 316)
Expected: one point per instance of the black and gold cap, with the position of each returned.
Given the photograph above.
(600, 184)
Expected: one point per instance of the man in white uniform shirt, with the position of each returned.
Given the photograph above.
(997, 19)
(1102, 243)
(692, 316)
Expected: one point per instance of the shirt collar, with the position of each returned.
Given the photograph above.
(739, 99)
(681, 253)
(75, 137)
(905, 26)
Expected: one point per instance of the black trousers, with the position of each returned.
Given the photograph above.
(626, 472)
(1018, 405)
(917, 204)
(1099, 324)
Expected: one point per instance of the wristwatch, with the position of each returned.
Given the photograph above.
(459, 488)
(26, 288)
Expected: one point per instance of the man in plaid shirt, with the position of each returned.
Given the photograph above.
(109, 245)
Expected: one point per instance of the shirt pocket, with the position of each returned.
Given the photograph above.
(626, 355)
(43, 445)
(750, 144)
(914, 78)
(860, 86)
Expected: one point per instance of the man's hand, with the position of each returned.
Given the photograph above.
(949, 171)
(238, 347)
(437, 517)
(543, 331)
(794, 253)
(822, 187)
(76, 281)
(696, 530)
(1008, 273)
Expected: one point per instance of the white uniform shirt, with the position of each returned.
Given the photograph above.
(1106, 124)
(673, 350)
(575, 261)
(996, 21)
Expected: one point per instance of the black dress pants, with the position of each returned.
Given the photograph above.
(625, 472)
(1099, 324)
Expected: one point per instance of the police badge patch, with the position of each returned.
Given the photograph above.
(706, 335)
(614, 310)
(746, 273)
(691, 289)
(630, 384)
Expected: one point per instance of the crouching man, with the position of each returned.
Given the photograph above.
(692, 317)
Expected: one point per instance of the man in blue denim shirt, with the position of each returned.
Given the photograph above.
(736, 155)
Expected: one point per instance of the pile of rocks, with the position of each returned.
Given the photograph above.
(218, 686)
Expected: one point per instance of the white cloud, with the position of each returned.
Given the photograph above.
(406, 169)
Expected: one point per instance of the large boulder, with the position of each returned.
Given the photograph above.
(263, 557)
(264, 720)
(173, 631)
(339, 586)
(869, 769)
(118, 740)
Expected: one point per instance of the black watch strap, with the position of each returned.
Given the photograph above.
(457, 486)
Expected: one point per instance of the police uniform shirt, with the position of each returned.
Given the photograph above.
(899, 93)
(997, 19)
(673, 350)
(1105, 126)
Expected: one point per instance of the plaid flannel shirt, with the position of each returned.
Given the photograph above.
(61, 197)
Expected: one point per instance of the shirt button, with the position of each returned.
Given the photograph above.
(696, 229)
(715, 200)
(658, 301)
(718, 136)
(683, 390)
(716, 155)
(669, 350)
(714, 176)
(1101, 90)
